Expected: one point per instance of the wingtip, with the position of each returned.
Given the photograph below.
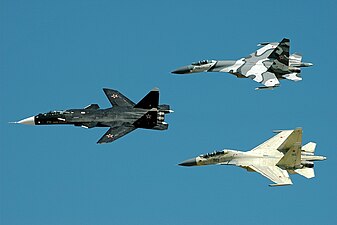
(276, 185)
(105, 89)
(108, 89)
(280, 130)
(267, 87)
(277, 131)
(155, 89)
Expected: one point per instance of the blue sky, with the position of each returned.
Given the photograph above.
(60, 54)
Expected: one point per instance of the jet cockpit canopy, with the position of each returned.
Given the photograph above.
(202, 62)
(215, 153)
(55, 112)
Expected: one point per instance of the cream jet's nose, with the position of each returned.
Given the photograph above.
(189, 162)
(28, 121)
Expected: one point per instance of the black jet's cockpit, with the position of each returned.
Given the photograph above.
(53, 113)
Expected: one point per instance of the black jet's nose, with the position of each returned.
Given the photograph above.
(28, 121)
(182, 70)
(189, 162)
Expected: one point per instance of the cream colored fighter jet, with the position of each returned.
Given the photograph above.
(274, 159)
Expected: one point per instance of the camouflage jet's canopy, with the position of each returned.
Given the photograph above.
(267, 65)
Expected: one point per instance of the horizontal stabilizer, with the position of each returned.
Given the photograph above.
(293, 76)
(150, 101)
(306, 172)
(295, 59)
(164, 107)
(310, 147)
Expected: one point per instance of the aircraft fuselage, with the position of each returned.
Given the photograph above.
(245, 159)
(97, 116)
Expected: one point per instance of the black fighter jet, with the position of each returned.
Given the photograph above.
(123, 117)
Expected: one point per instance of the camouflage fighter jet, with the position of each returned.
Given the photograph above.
(274, 159)
(124, 117)
(267, 65)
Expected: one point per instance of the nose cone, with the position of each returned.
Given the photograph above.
(189, 162)
(183, 70)
(28, 121)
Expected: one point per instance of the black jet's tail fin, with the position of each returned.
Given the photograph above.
(150, 101)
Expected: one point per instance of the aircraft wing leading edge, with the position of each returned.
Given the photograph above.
(272, 144)
(283, 141)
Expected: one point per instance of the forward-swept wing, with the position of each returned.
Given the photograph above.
(114, 133)
(117, 99)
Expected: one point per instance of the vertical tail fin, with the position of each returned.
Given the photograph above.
(151, 100)
(292, 158)
(281, 52)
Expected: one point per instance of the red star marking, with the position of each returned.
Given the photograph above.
(114, 96)
(148, 116)
(109, 136)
